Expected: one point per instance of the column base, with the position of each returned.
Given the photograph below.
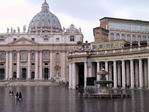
(123, 87)
(140, 88)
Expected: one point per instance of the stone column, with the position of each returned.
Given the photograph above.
(145, 74)
(7, 66)
(115, 74)
(70, 75)
(40, 66)
(98, 67)
(119, 73)
(140, 74)
(106, 69)
(29, 65)
(73, 75)
(51, 65)
(132, 73)
(127, 74)
(89, 69)
(123, 74)
(110, 71)
(18, 64)
(36, 65)
(148, 70)
(136, 74)
(85, 74)
(10, 64)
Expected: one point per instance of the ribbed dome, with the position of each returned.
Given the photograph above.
(44, 21)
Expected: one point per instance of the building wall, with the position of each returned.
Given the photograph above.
(125, 29)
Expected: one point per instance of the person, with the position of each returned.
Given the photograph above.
(17, 96)
(10, 92)
(20, 96)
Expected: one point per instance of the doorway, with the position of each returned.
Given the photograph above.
(32, 75)
(46, 73)
(14, 75)
(81, 74)
(2, 73)
(24, 71)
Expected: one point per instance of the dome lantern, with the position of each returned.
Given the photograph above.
(45, 6)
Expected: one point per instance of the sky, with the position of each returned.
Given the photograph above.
(81, 13)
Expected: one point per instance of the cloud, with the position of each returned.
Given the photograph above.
(15, 13)
(82, 13)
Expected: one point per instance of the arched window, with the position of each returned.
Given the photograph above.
(123, 37)
(133, 38)
(139, 38)
(117, 36)
(144, 38)
(111, 36)
(128, 37)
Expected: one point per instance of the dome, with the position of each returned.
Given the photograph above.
(44, 21)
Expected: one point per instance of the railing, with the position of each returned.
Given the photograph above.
(110, 52)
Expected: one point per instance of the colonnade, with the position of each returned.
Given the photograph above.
(37, 69)
(129, 73)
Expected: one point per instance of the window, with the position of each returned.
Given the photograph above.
(111, 36)
(72, 38)
(117, 36)
(46, 64)
(1, 64)
(33, 63)
(57, 39)
(144, 37)
(123, 36)
(33, 39)
(46, 39)
(14, 39)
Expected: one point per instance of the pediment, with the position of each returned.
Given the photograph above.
(23, 41)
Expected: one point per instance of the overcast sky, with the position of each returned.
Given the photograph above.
(81, 13)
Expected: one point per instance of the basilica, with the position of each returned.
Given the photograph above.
(40, 51)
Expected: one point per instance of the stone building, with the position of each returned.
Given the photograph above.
(126, 29)
(38, 53)
(127, 62)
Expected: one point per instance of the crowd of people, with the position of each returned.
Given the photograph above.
(18, 95)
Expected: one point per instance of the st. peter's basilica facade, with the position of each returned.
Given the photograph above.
(39, 53)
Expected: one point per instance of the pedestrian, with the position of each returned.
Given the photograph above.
(20, 96)
(17, 96)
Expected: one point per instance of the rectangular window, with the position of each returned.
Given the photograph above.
(33, 39)
(46, 39)
(57, 39)
(14, 39)
(72, 39)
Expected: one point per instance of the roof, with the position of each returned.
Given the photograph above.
(128, 20)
